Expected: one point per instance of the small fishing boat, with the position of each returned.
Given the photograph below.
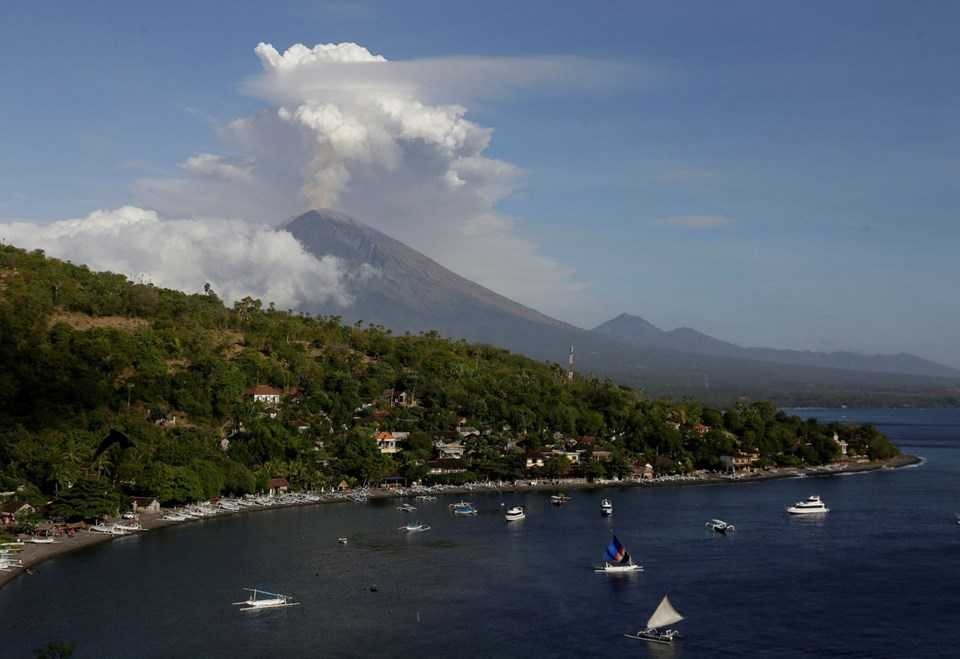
(406, 508)
(720, 526)
(515, 513)
(270, 601)
(415, 527)
(463, 508)
(617, 560)
(812, 506)
(10, 564)
(174, 517)
(108, 529)
(664, 615)
(606, 507)
(425, 497)
(343, 540)
(559, 498)
(37, 540)
(128, 527)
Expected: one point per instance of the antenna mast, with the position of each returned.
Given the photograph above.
(570, 361)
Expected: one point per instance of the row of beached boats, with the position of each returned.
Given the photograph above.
(8, 553)
(249, 501)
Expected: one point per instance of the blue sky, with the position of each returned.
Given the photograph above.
(786, 175)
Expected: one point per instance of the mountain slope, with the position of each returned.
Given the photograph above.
(411, 292)
(641, 332)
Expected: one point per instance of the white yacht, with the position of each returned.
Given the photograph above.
(515, 513)
(606, 507)
(812, 506)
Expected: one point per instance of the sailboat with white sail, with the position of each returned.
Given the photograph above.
(617, 559)
(664, 615)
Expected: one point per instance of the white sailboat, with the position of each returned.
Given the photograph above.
(270, 601)
(664, 615)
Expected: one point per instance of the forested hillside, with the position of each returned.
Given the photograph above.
(84, 353)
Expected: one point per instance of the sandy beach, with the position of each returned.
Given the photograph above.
(35, 554)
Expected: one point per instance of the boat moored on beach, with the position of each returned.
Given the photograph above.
(664, 615)
(812, 506)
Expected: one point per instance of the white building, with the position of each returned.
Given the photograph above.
(390, 442)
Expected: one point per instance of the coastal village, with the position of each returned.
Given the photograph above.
(565, 463)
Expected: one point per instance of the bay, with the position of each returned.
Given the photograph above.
(879, 576)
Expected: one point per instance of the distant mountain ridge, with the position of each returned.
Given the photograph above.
(411, 293)
(640, 331)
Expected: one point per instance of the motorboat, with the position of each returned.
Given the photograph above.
(606, 507)
(812, 506)
(559, 498)
(515, 513)
(664, 615)
(343, 540)
(720, 526)
(406, 508)
(268, 601)
(463, 508)
(616, 559)
(425, 497)
(415, 527)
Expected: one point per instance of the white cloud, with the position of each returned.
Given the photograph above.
(207, 164)
(237, 258)
(697, 221)
(389, 143)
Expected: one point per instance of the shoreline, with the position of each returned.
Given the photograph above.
(35, 554)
